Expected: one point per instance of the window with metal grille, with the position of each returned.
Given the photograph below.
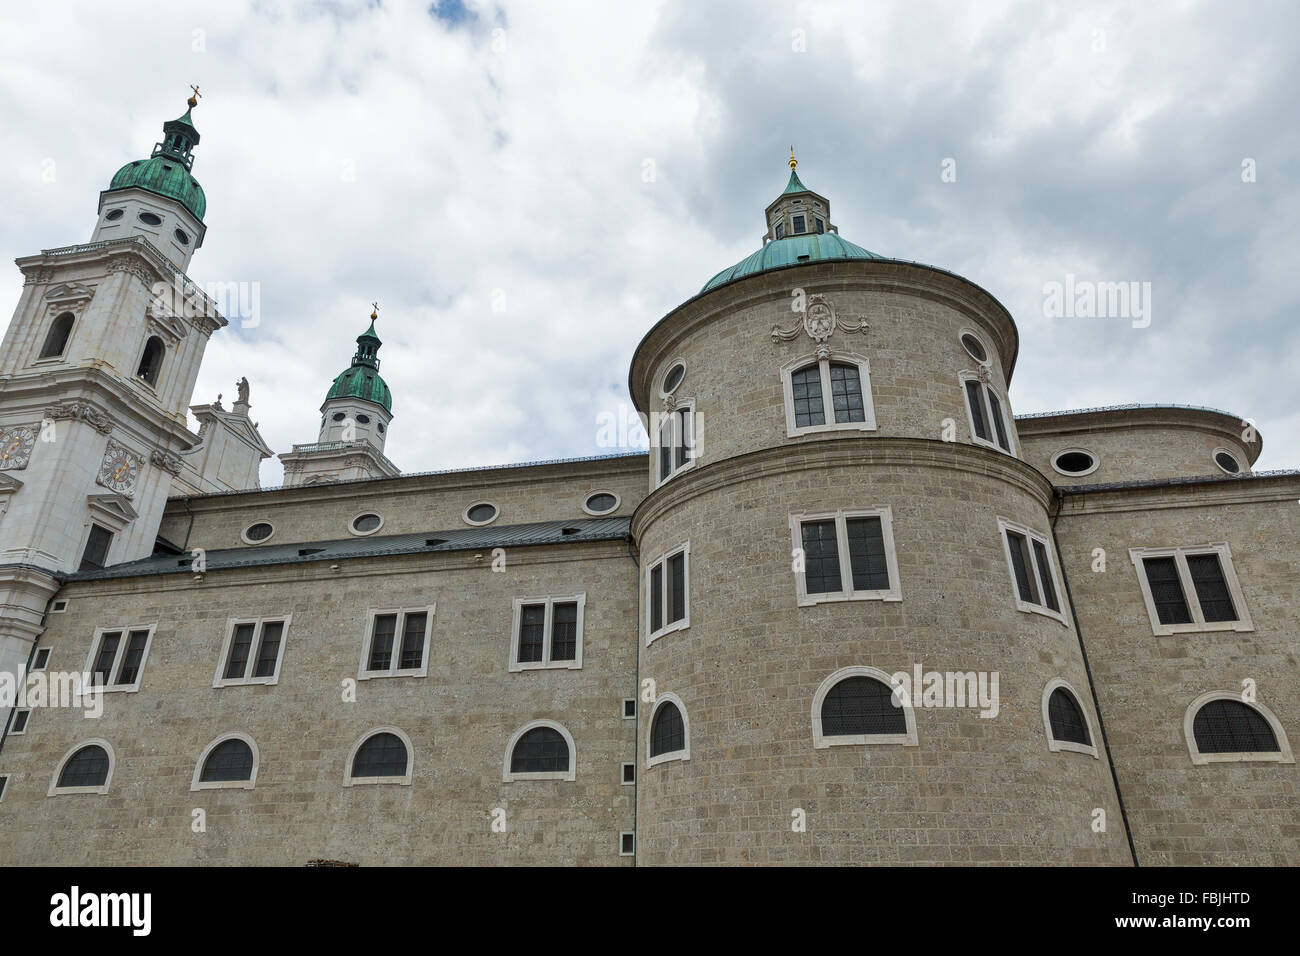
(799, 225)
(95, 556)
(807, 387)
(987, 420)
(846, 393)
(668, 597)
(382, 755)
(668, 732)
(540, 750)
(253, 652)
(1211, 587)
(1191, 589)
(1066, 718)
(1230, 726)
(88, 767)
(1167, 591)
(861, 706)
(229, 760)
(1033, 570)
(117, 657)
(845, 555)
(548, 632)
(821, 557)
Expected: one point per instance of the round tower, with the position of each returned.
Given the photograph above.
(838, 512)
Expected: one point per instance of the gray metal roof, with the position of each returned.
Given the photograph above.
(1169, 482)
(576, 531)
(1132, 406)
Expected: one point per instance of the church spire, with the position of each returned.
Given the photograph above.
(798, 210)
(179, 135)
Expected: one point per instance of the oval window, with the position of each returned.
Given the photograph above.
(366, 523)
(1075, 462)
(975, 347)
(260, 531)
(339, 416)
(1227, 462)
(363, 419)
(182, 237)
(481, 513)
(602, 502)
(149, 219)
(380, 426)
(115, 215)
(674, 378)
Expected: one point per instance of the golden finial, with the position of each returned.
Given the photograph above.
(793, 162)
(374, 315)
(193, 101)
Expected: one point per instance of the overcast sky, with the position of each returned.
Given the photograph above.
(481, 169)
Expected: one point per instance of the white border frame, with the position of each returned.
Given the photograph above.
(361, 514)
(622, 773)
(664, 393)
(618, 502)
(54, 605)
(1198, 624)
(1055, 745)
(363, 671)
(14, 721)
(626, 833)
(622, 709)
(120, 656)
(56, 791)
(987, 361)
(893, 593)
(685, 622)
(670, 417)
(571, 774)
(249, 784)
(1005, 407)
(855, 359)
(822, 741)
(136, 377)
(403, 781)
(37, 663)
(1031, 535)
(258, 623)
(496, 513)
(1096, 462)
(515, 665)
(243, 535)
(685, 752)
(1214, 457)
(4, 785)
(55, 314)
(1283, 754)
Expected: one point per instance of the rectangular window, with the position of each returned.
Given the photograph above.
(547, 632)
(780, 230)
(629, 708)
(675, 439)
(41, 660)
(1191, 589)
(397, 643)
(117, 656)
(821, 226)
(98, 542)
(252, 652)
(668, 603)
(19, 725)
(1033, 570)
(845, 556)
(822, 394)
(799, 225)
(988, 423)
(629, 773)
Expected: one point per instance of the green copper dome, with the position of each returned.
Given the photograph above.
(167, 171)
(361, 380)
(795, 250)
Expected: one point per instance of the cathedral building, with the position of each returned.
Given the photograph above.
(849, 609)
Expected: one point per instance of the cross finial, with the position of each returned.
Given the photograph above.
(193, 101)
(374, 315)
(793, 162)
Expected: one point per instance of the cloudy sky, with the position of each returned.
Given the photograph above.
(481, 169)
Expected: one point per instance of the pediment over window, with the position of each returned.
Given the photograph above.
(68, 292)
(170, 328)
(114, 510)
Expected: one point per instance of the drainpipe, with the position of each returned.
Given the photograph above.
(636, 697)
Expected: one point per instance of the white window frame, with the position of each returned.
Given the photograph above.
(243, 535)
(623, 710)
(1180, 555)
(37, 663)
(1007, 417)
(828, 405)
(108, 686)
(987, 361)
(249, 784)
(219, 680)
(361, 514)
(1241, 468)
(821, 741)
(496, 513)
(672, 420)
(363, 670)
(1055, 745)
(14, 722)
(1283, 754)
(1030, 536)
(571, 774)
(547, 623)
(55, 790)
(893, 593)
(626, 833)
(685, 752)
(651, 636)
(622, 773)
(4, 786)
(1096, 462)
(402, 781)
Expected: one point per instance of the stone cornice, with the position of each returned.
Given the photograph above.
(1121, 418)
(841, 453)
(1208, 492)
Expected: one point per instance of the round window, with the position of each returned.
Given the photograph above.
(674, 378)
(1227, 462)
(1075, 462)
(975, 347)
(366, 523)
(149, 219)
(182, 237)
(115, 215)
(602, 502)
(481, 513)
(363, 419)
(260, 531)
(339, 416)
(380, 426)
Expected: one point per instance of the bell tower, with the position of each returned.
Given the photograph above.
(97, 368)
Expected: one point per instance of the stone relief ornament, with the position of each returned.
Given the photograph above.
(166, 461)
(819, 323)
(16, 444)
(81, 411)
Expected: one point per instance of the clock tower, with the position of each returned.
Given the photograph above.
(96, 370)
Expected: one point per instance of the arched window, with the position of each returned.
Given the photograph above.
(151, 360)
(858, 705)
(1065, 720)
(86, 768)
(541, 750)
(382, 756)
(56, 340)
(828, 393)
(670, 737)
(229, 761)
(1221, 727)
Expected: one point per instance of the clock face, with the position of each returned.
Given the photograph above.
(16, 447)
(119, 470)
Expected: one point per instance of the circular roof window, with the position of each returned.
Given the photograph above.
(258, 532)
(182, 237)
(674, 378)
(366, 523)
(1227, 461)
(363, 419)
(484, 512)
(339, 416)
(600, 503)
(975, 347)
(149, 219)
(1075, 462)
(115, 215)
